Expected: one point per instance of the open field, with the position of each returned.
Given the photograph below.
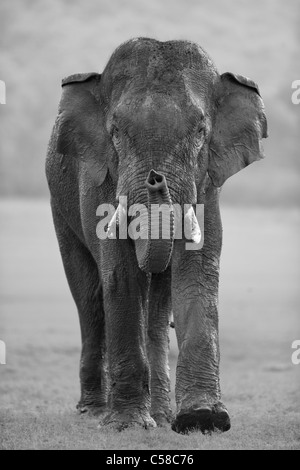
(259, 319)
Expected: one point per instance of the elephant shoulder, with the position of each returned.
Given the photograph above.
(79, 78)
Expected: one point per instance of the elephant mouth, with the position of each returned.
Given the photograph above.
(153, 227)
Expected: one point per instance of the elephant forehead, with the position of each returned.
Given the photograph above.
(151, 53)
(152, 111)
(160, 66)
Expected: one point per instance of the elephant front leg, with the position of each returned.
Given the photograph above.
(158, 346)
(83, 278)
(194, 299)
(125, 294)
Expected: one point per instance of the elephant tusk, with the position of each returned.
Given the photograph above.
(117, 219)
(191, 227)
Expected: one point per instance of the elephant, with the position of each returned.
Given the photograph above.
(159, 126)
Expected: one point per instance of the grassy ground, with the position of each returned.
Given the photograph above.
(259, 319)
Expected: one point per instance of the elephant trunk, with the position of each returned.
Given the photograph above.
(154, 252)
(155, 240)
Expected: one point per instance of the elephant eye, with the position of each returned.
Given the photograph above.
(115, 132)
(200, 129)
(199, 136)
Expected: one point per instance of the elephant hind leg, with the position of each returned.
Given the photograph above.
(83, 278)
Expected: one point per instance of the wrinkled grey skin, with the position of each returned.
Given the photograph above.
(161, 106)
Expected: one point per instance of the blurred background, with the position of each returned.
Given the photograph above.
(44, 41)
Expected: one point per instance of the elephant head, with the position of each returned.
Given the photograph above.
(161, 121)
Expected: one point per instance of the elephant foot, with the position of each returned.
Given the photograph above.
(118, 421)
(205, 419)
(91, 409)
(162, 418)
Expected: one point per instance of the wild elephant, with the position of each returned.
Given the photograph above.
(159, 126)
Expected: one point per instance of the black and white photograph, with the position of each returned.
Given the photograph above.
(150, 226)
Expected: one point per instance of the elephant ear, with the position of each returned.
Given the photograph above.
(80, 130)
(238, 129)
